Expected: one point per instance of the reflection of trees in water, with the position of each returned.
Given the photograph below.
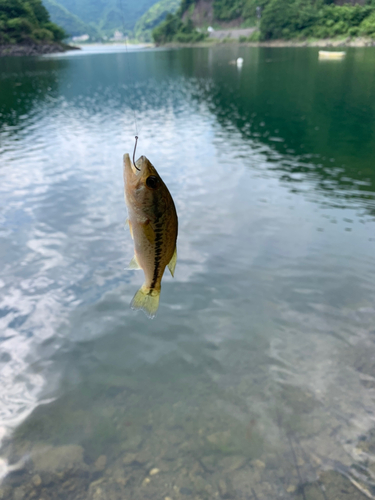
(25, 83)
(316, 119)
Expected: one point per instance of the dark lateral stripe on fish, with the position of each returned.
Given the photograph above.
(158, 251)
(158, 237)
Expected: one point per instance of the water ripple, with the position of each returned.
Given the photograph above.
(266, 331)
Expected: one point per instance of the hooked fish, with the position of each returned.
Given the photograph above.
(153, 224)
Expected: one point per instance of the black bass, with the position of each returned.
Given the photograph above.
(153, 224)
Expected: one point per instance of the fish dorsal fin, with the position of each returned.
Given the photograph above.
(130, 227)
(133, 264)
(172, 262)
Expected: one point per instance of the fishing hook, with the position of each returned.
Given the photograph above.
(135, 147)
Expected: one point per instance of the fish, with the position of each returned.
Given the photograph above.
(153, 224)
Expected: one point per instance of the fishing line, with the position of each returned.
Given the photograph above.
(129, 73)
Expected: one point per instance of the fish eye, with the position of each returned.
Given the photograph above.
(152, 181)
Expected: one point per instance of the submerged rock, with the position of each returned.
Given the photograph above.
(37, 481)
(219, 439)
(133, 443)
(140, 458)
(232, 463)
(106, 489)
(100, 463)
(96, 491)
(335, 486)
(19, 493)
(129, 458)
(56, 459)
(225, 488)
(258, 464)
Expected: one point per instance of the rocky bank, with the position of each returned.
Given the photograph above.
(34, 49)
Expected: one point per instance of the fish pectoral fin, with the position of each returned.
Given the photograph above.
(130, 227)
(133, 264)
(149, 231)
(172, 262)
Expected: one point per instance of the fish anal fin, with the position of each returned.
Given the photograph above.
(147, 300)
(172, 262)
(133, 264)
(130, 227)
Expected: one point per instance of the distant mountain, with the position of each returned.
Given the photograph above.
(72, 25)
(154, 16)
(106, 16)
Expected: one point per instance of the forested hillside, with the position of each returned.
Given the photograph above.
(27, 22)
(277, 19)
(316, 20)
(154, 16)
(106, 16)
(180, 27)
(71, 23)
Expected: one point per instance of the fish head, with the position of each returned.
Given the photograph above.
(144, 187)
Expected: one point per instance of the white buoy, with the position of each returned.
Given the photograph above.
(239, 62)
(325, 54)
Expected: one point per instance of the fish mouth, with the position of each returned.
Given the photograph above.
(131, 171)
(140, 163)
(144, 167)
(141, 169)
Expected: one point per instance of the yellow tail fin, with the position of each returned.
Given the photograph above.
(146, 299)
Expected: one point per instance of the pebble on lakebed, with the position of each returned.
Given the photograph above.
(37, 480)
(258, 463)
(100, 463)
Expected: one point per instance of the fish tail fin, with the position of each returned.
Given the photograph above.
(146, 299)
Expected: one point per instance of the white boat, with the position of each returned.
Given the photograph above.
(325, 54)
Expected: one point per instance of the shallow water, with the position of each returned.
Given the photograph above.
(256, 380)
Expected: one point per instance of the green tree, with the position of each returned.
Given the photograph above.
(27, 21)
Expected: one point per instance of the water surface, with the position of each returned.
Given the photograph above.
(256, 380)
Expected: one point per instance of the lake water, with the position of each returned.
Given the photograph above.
(256, 380)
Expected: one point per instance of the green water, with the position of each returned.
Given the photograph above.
(256, 380)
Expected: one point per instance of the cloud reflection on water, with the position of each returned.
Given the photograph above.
(270, 281)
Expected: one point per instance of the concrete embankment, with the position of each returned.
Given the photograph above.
(234, 33)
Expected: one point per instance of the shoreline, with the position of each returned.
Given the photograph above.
(34, 49)
(38, 49)
(325, 42)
